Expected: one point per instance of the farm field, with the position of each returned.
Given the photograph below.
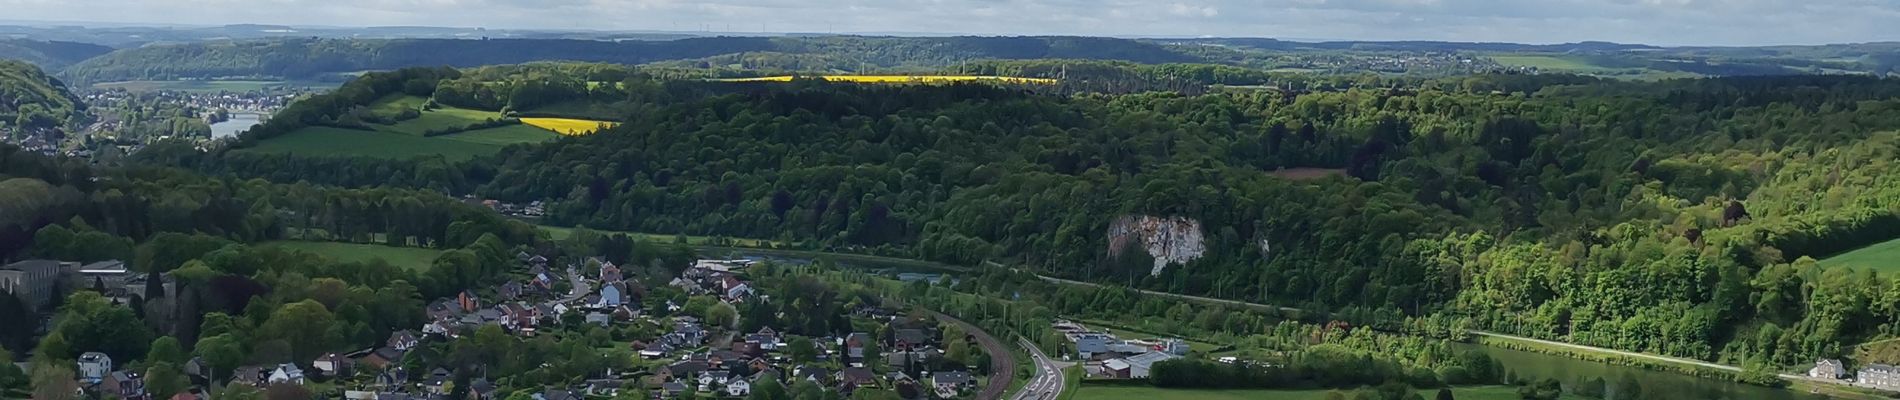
(568, 126)
(899, 79)
(1883, 258)
(210, 86)
(405, 139)
(410, 258)
(1117, 392)
(328, 141)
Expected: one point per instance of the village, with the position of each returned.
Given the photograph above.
(681, 354)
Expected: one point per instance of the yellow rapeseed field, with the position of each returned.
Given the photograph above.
(568, 126)
(900, 79)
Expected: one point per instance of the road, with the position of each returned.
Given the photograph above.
(1002, 361)
(1667, 359)
(580, 288)
(1048, 382)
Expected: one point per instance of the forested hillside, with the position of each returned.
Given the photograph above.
(306, 58)
(1677, 217)
(30, 98)
(49, 55)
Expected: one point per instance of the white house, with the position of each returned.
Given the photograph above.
(94, 366)
(738, 388)
(1827, 369)
(286, 373)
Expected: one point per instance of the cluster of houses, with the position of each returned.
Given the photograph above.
(1877, 376)
(698, 358)
(1106, 356)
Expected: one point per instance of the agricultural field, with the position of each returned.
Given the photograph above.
(328, 141)
(1883, 258)
(568, 126)
(899, 79)
(411, 258)
(211, 86)
(1548, 62)
(1119, 392)
(405, 139)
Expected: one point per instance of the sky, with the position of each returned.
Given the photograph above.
(1660, 22)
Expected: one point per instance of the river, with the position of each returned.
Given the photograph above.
(238, 123)
(1649, 384)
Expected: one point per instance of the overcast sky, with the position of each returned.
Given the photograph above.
(1665, 22)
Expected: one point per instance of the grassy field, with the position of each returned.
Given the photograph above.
(900, 79)
(1883, 257)
(568, 126)
(405, 139)
(406, 257)
(327, 141)
(210, 86)
(440, 119)
(1116, 392)
(1548, 62)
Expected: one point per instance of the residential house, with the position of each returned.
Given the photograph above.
(854, 345)
(512, 290)
(610, 296)
(383, 357)
(610, 273)
(738, 388)
(599, 319)
(1879, 376)
(709, 380)
(557, 394)
(127, 385)
(286, 373)
(1827, 368)
(93, 367)
(626, 312)
(468, 301)
(672, 389)
(856, 377)
(909, 339)
(332, 364)
(392, 377)
(252, 375)
(948, 383)
(687, 368)
(655, 350)
(481, 389)
(402, 340)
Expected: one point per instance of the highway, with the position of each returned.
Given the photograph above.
(1049, 379)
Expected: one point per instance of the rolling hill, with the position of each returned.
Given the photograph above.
(44, 100)
(307, 58)
(49, 55)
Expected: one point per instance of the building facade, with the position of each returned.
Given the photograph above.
(34, 282)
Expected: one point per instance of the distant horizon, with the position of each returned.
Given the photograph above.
(704, 33)
(1669, 23)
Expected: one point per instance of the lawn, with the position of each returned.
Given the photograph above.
(1118, 392)
(412, 258)
(440, 119)
(328, 141)
(1883, 257)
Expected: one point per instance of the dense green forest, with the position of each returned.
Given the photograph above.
(52, 55)
(29, 98)
(1676, 217)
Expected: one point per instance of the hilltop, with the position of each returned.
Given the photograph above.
(31, 98)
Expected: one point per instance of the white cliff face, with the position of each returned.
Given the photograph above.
(1170, 240)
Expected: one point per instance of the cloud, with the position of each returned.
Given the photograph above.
(1670, 22)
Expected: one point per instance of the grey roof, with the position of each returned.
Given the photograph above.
(951, 377)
